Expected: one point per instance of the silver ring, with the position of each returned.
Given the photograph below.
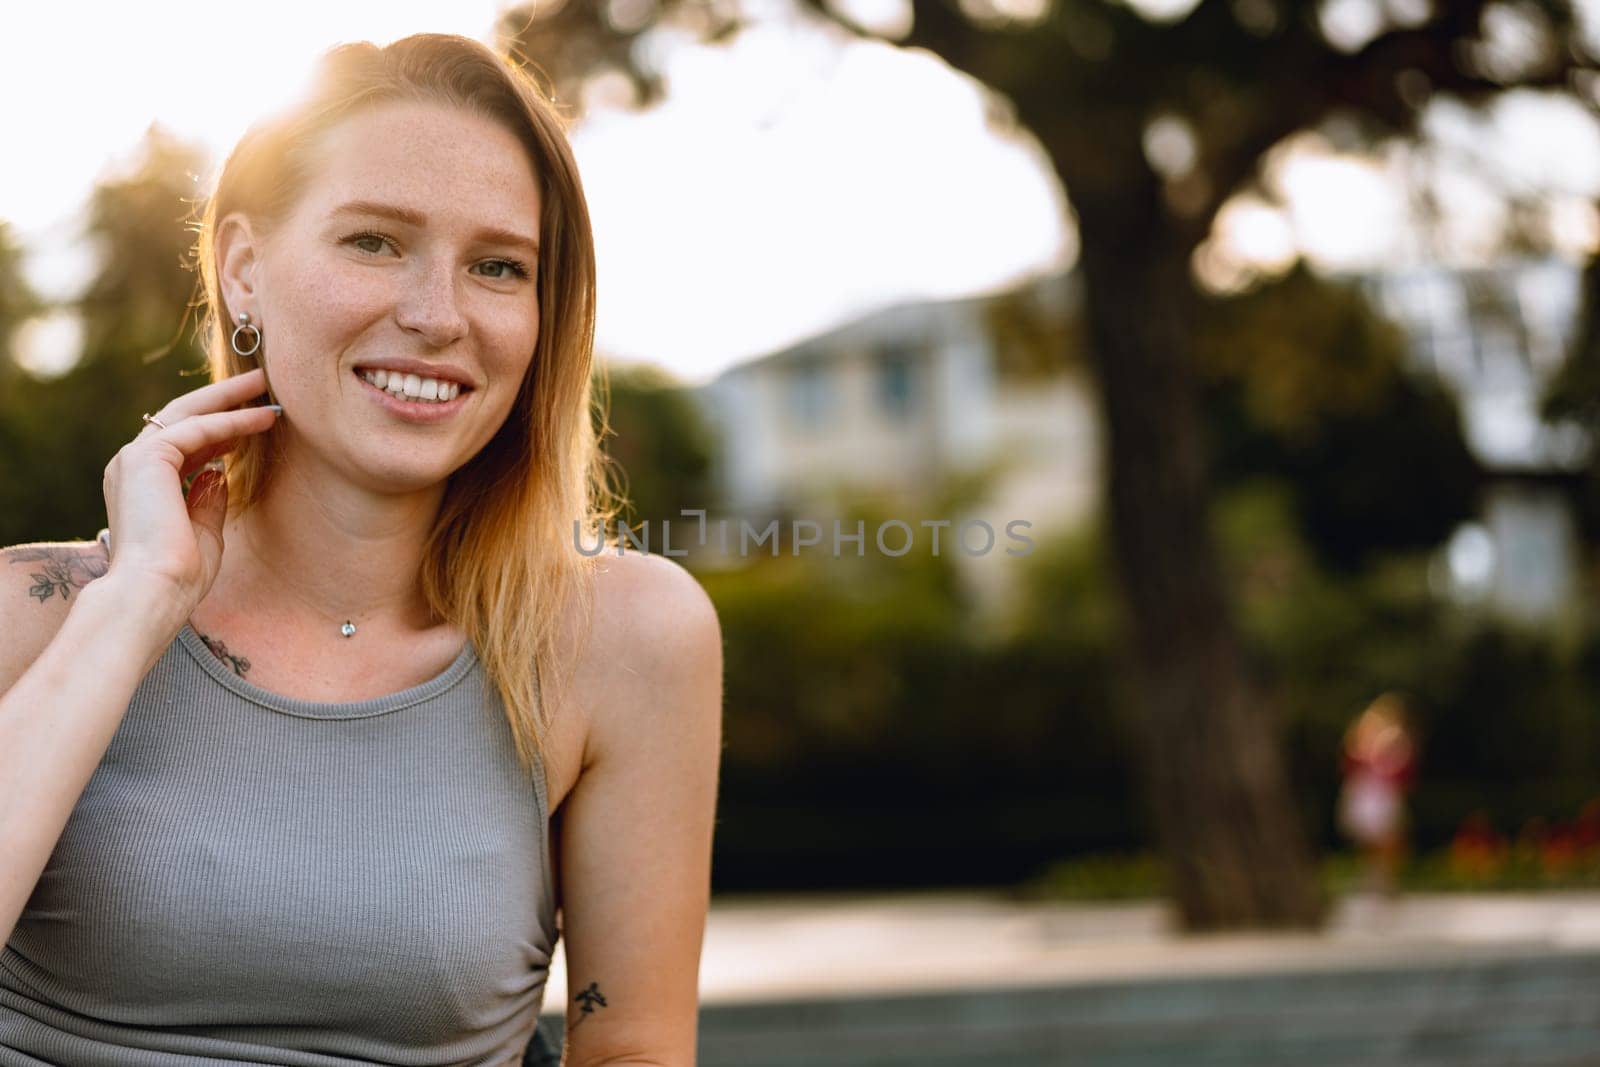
(151, 420)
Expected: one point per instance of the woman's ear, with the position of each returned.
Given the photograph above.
(238, 254)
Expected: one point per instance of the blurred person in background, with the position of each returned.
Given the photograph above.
(314, 757)
(1378, 765)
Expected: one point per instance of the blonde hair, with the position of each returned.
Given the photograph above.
(1385, 721)
(501, 559)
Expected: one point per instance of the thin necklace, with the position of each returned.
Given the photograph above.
(347, 628)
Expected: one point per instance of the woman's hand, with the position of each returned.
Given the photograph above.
(157, 537)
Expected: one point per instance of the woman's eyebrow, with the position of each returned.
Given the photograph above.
(491, 234)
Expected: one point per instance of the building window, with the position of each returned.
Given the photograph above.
(810, 394)
(897, 381)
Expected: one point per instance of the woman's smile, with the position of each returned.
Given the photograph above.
(413, 397)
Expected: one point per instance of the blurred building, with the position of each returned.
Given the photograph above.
(898, 405)
(897, 408)
(1496, 337)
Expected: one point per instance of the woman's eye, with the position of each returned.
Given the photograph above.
(508, 269)
(377, 240)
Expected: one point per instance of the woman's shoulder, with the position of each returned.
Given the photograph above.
(646, 601)
(655, 631)
(39, 582)
(48, 575)
(637, 579)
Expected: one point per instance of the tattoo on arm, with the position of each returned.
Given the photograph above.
(220, 650)
(60, 570)
(591, 998)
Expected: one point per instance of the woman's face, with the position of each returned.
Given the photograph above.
(411, 252)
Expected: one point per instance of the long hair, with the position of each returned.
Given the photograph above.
(501, 560)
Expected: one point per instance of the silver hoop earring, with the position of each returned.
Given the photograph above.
(255, 336)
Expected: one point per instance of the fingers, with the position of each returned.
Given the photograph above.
(192, 435)
(217, 396)
(206, 455)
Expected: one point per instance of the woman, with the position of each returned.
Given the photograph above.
(299, 768)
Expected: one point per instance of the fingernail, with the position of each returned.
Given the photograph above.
(276, 408)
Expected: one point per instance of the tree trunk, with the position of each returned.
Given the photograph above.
(1229, 830)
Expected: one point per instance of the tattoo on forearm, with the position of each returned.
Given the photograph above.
(60, 570)
(591, 998)
(220, 650)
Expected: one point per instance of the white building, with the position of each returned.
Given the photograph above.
(893, 407)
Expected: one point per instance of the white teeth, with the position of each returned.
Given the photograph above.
(413, 387)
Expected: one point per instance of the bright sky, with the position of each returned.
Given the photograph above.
(788, 184)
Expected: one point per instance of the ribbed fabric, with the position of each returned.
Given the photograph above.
(251, 879)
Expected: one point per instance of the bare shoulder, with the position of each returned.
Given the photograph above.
(48, 574)
(655, 638)
(651, 600)
(38, 585)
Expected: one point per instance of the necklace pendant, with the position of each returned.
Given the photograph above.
(348, 629)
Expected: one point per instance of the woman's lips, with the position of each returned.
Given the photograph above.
(419, 411)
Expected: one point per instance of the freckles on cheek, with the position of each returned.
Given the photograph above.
(514, 344)
(340, 301)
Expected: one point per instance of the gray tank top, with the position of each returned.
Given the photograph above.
(252, 879)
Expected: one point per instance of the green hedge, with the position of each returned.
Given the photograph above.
(875, 736)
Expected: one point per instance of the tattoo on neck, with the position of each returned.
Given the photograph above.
(590, 998)
(59, 570)
(220, 650)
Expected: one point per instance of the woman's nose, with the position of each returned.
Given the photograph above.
(429, 307)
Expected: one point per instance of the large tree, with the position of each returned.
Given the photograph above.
(1088, 78)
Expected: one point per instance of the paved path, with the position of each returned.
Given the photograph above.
(779, 948)
(958, 979)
